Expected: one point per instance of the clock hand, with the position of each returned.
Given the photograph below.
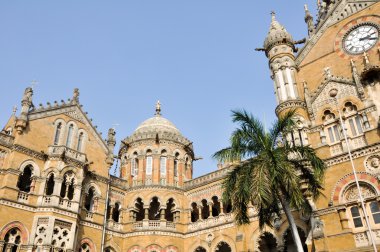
(367, 38)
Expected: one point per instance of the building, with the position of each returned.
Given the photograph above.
(56, 193)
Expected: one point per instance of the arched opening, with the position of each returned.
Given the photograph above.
(163, 161)
(149, 163)
(67, 188)
(108, 213)
(289, 244)
(267, 243)
(25, 179)
(205, 209)
(227, 207)
(223, 247)
(12, 240)
(200, 249)
(116, 212)
(215, 206)
(154, 209)
(175, 166)
(169, 215)
(194, 212)
(50, 184)
(139, 205)
(89, 201)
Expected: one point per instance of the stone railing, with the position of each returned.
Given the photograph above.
(70, 153)
(6, 140)
(89, 215)
(115, 181)
(65, 203)
(362, 238)
(22, 197)
(111, 224)
(211, 222)
(154, 224)
(336, 149)
(206, 179)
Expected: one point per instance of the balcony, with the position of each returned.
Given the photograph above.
(211, 222)
(67, 152)
(154, 225)
(111, 224)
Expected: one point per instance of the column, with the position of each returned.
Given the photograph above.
(146, 212)
(343, 217)
(162, 214)
(200, 211)
(221, 208)
(210, 210)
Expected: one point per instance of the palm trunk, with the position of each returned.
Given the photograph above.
(292, 223)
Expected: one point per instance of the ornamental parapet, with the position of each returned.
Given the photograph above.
(6, 140)
(153, 135)
(119, 182)
(60, 151)
(211, 222)
(207, 179)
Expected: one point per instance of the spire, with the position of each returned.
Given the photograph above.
(111, 142)
(26, 105)
(158, 108)
(277, 34)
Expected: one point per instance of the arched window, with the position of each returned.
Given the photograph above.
(149, 163)
(25, 179)
(85, 248)
(69, 135)
(57, 133)
(135, 165)
(175, 172)
(154, 209)
(50, 184)
(227, 207)
(12, 240)
(205, 209)
(223, 247)
(89, 201)
(116, 212)
(108, 213)
(356, 217)
(80, 141)
(163, 164)
(375, 211)
(139, 206)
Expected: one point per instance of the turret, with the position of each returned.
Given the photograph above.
(279, 47)
(26, 105)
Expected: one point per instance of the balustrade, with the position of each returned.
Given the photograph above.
(211, 222)
(154, 224)
(22, 197)
(60, 150)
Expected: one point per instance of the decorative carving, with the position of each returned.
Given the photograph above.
(352, 194)
(372, 163)
(290, 104)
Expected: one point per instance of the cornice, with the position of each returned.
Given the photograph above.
(29, 152)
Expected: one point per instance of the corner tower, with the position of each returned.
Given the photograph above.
(279, 47)
(156, 154)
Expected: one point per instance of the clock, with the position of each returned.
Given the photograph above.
(361, 38)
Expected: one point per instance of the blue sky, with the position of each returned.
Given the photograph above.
(197, 57)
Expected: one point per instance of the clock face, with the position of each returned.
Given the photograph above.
(361, 39)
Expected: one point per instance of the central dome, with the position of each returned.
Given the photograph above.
(157, 123)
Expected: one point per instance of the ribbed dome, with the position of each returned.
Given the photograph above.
(156, 124)
(277, 34)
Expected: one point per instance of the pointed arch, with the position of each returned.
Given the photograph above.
(223, 239)
(15, 224)
(90, 245)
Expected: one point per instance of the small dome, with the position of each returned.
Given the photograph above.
(157, 123)
(277, 34)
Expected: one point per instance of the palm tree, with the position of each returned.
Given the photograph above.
(269, 171)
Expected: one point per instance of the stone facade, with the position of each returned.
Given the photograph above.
(56, 193)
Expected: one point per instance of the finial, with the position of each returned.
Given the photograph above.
(76, 96)
(14, 110)
(305, 6)
(33, 83)
(273, 15)
(158, 108)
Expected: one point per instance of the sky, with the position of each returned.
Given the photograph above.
(197, 57)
